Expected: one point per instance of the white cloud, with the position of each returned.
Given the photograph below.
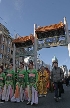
(0, 1)
(18, 4)
(67, 61)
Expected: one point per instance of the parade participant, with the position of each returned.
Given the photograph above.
(48, 80)
(20, 85)
(9, 83)
(43, 77)
(2, 82)
(56, 77)
(32, 78)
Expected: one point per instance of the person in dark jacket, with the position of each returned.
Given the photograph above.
(57, 77)
(67, 81)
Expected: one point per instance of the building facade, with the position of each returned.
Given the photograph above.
(6, 48)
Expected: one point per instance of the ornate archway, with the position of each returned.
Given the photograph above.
(44, 37)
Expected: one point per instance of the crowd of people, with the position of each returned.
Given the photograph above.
(29, 85)
(23, 84)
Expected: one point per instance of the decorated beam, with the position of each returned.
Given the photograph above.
(41, 32)
(24, 41)
(50, 31)
(44, 37)
(52, 42)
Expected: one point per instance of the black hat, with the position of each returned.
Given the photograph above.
(31, 62)
(11, 64)
(22, 63)
(1, 67)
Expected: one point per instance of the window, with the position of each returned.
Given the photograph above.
(2, 47)
(0, 56)
(7, 56)
(0, 38)
(12, 44)
(8, 49)
(3, 56)
(9, 41)
(11, 52)
(11, 60)
(3, 38)
(17, 62)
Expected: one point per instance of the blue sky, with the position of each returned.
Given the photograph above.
(20, 16)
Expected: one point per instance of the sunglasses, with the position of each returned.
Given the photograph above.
(56, 62)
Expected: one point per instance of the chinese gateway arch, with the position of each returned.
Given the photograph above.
(44, 37)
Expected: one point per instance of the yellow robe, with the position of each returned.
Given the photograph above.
(43, 78)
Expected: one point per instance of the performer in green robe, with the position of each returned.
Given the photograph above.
(2, 82)
(32, 78)
(20, 84)
(10, 83)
